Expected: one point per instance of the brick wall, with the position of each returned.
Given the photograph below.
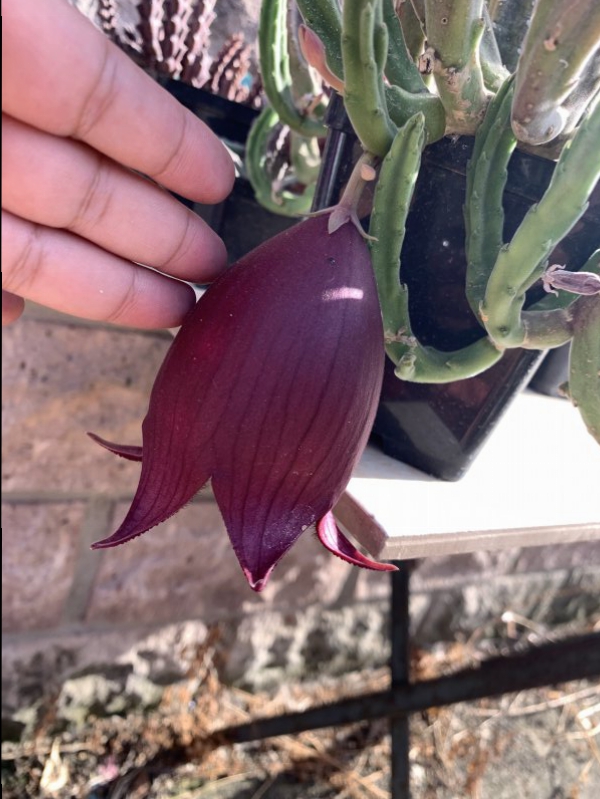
(65, 605)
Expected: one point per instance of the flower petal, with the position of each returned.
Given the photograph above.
(306, 389)
(131, 453)
(336, 542)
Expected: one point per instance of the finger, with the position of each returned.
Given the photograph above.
(12, 307)
(61, 183)
(62, 75)
(64, 272)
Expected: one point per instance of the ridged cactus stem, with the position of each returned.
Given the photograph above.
(325, 19)
(562, 298)
(584, 363)
(406, 94)
(551, 321)
(257, 155)
(486, 179)
(560, 42)
(364, 96)
(522, 261)
(400, 69)
(305, 84)
(275, 69)
(454, 32)
(411, 27)
(393, 194)
(493, 70)
(546, 329)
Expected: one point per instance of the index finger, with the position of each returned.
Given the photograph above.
(63, 76)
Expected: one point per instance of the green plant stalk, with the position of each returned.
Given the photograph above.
(584, 363)
(305, 158)
(325, 19)
(400, 69)
(407, 94)
(418, 7)
(522, 261)
(583, 96)
(454, 32)
(493, 70)
(285, 204)
(412, 30)
(376, 42)
(551, 321)
(559, 44)
(364, 96)
(402, 105)
(393, 195)
(275, 69)
(486, 179)
(304, 82)
(563, 299)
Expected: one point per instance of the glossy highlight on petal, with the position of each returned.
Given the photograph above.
(269, 389)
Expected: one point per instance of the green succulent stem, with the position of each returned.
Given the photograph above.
(551, 321)
(558, 47)
(257, 147)
(563, 299)
(325, 19)
(521, 263)
(584, 363)
(413, 33)
(454, 32)
(391, 204)
(493, 70)
(406, 94)
(486, 179)
(401, 68)
(304, 82)
(393, 194)
(275, 69)
(364, 95)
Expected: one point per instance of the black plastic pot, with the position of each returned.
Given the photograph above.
(441, 428)
(552, 373)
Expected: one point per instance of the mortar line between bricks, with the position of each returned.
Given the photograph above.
(97, 518)
(53, 497)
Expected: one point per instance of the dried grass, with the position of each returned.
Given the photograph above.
(173, 752)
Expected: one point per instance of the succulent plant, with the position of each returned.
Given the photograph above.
(413, 71)
(270, 388)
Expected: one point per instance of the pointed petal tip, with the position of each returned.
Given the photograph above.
(257, 583)
(131, 453)
(114, 540)
(336, 542)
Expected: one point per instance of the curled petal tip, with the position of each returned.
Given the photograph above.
(336, 542)
(131, 453)
(257, 585)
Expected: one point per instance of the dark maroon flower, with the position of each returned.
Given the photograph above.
(269, 389)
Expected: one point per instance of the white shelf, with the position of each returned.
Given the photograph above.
(536, 481)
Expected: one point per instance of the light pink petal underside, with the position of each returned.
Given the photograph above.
(336, 542)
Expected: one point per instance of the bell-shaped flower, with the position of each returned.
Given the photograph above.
(269, 390)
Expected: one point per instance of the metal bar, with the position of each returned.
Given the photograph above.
(400, 670)
(336, 162)
(548, 664)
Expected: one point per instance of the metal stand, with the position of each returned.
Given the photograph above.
(400, 672)
(572, 659)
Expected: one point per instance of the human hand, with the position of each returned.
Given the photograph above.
(90, 143)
